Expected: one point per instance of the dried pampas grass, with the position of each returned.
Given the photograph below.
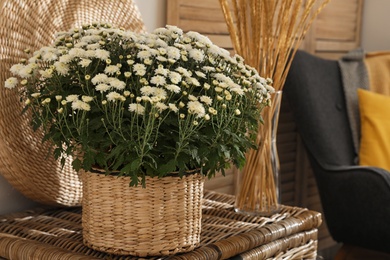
(267, 34)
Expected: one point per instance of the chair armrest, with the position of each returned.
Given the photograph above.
(356, 202)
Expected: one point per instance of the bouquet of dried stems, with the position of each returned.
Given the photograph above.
(266, 34)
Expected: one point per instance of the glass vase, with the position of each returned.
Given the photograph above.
(257, 186)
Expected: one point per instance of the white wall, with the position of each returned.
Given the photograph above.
(153, 13)
(375, 25)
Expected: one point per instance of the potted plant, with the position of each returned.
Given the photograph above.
(141, 108)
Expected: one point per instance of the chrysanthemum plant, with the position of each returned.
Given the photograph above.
(142, 104)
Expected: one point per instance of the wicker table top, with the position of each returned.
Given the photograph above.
(57, 234)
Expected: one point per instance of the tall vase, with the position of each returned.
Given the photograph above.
(258, 185)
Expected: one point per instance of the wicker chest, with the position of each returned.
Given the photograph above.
(57, 234)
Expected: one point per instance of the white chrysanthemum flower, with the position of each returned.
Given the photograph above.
(145, 54)
(160, 93)
(161, 58)
(111, 69)
(66, 58)
(15, 69)
(93, 47)
(162, 51)
(173, 88)
(184, 72)
(49, 56)
(80, 105)
(199, 37)
(218, 89)
(61, 68)
(200, 74)
(192, 98)
(174, 77)
(58, 97)
(173, 107)
(25, 72)
(237, 112)
(196, 108)
(11, 83)
(237, 89)
(196, 54)
(47, 73)
(72, 98)
(220, 77)
(89, 54)
(148, 61)
(207, 117)
(174, 29)
(86, 98)
(34, 59)
(117, 83)
(137, 108)
(147, 90)
(90, 39)
(100, 78)
(36, 94)
(85, 62)
(46, 101)
(76, 53)
(223, 85)
(145, 99)
(213, 111)
(208, 69)
(80, 44)
(206, 86)
(102, 54)
(161, 106)
(173, 53)
(112, 96)
(140, 69)
(214, 50)
(158, 80)
(207, 100)
(193, 81)
(102, 87)
(161, 71)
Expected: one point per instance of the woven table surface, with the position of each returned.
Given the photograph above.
(56, 233)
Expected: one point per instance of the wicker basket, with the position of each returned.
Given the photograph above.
(162, 219)
(33, 24)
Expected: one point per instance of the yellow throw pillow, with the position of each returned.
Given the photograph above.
(375, 129)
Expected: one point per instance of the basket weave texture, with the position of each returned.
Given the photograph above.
(24, 160)
(162, 219)
(57, 234)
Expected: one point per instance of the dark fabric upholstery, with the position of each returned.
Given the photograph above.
(316, 94)
(356, 200)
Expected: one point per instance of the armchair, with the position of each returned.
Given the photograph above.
(355, 199)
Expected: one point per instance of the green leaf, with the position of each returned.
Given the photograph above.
(76, 164)
(168, 167)
(135, 165)
(88, 160)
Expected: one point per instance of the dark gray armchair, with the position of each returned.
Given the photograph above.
(355, 199)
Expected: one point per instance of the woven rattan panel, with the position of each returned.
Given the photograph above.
(24, 160)
(57, 234)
